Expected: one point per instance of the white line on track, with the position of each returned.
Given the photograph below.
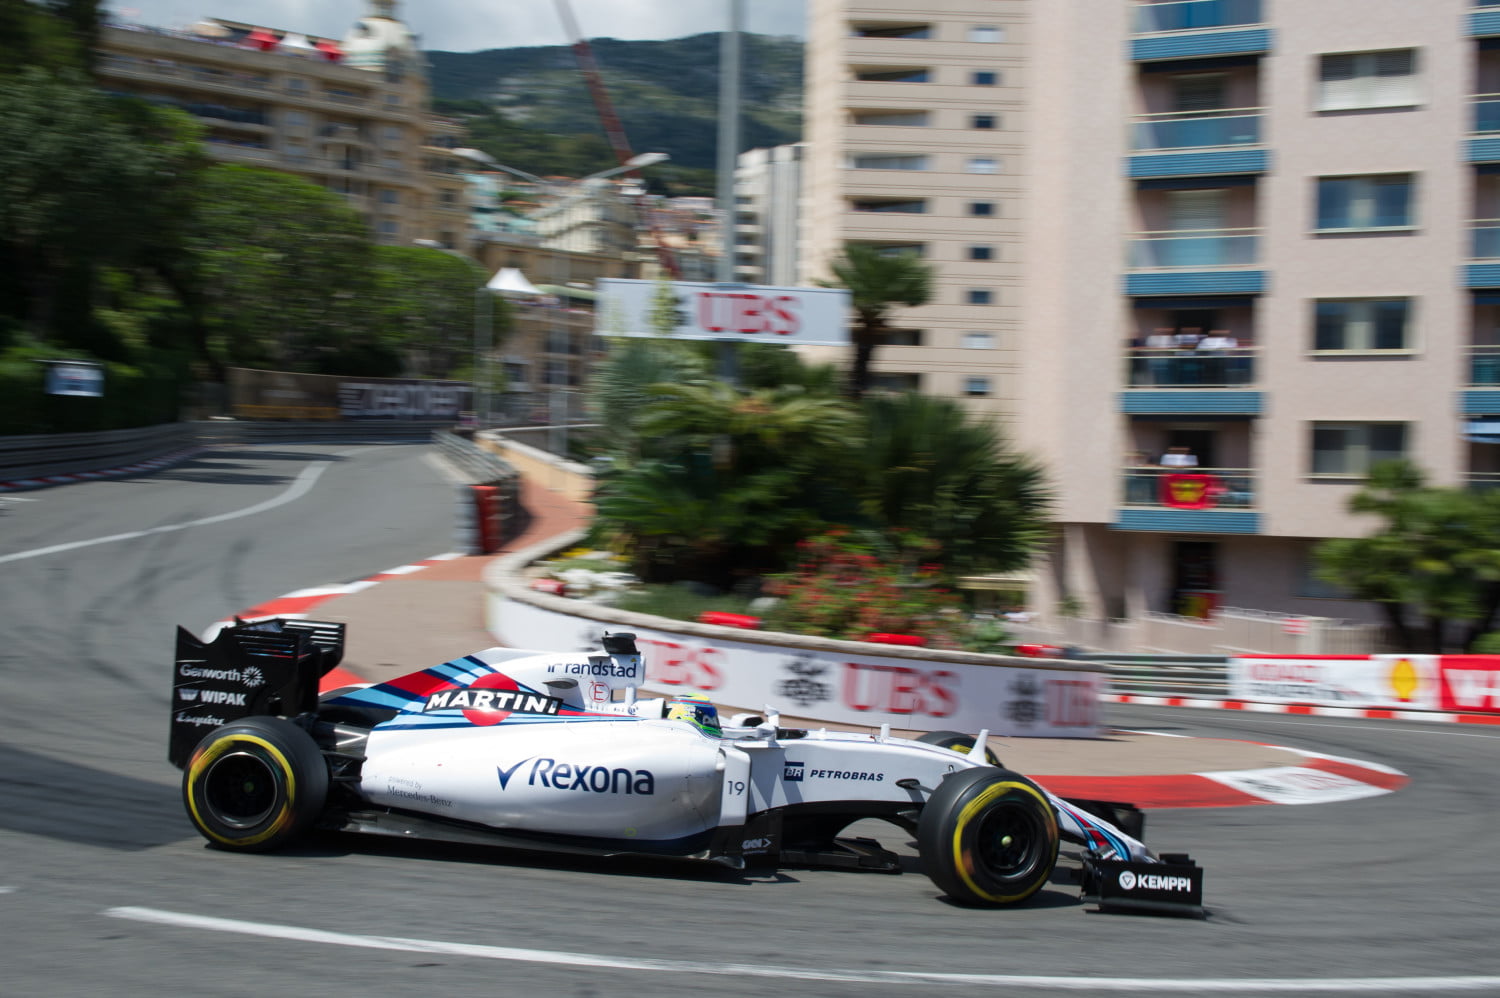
(573, 959)
(297, 490)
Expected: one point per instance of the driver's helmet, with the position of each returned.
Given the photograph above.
(698, 711)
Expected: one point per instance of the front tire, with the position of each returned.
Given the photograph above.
(988, 837)
(255, 784)
(958, 742)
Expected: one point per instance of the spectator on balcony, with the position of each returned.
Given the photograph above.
(1179, 457)
(1158, 359)
(1216, 366)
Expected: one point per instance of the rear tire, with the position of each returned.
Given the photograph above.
(960, 743)
(988, 837)
(255, 784)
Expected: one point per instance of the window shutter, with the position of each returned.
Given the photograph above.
(1200, 93)
(1196, 210)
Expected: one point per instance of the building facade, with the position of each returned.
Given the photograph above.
(1245, 249)
(351, 116)
(768, 206)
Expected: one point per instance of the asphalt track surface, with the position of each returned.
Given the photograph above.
(106, 889)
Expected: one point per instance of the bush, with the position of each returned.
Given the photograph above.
(849, 588)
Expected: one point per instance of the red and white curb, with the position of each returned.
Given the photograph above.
(297, 606)
(155, 464)
(1318, 779)
(1305, 709)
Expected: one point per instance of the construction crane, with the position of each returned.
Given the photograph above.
(614, 131)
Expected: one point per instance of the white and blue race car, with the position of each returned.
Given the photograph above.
(558, 752)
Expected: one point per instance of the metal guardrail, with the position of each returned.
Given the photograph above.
(24, 458)
(1164, 675)
(39, 456)
(480, 466)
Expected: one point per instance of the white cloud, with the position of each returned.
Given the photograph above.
(460, 26)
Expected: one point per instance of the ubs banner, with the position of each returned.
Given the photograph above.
(1412, 682)
(850, 689)
(280, 395)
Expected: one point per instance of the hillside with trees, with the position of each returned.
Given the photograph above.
(530, 107)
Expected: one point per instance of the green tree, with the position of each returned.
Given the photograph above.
(277, 272)
(876, 281)
(425, 300)
(48, 34)
(930, 468)
(97, 183)
(721, 486)
(1434, 559)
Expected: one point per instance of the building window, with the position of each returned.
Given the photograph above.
(294, 119)
(393, 100)
(979, 296)
(1351, 80)
(916, 75)
(986, 33)
(983, 121)
(903, 337)
(976, 387)
(982, 164)
(883, 205)
(891, 30)
(390, 228)
(911, 119)
(981, 252)
(886, 161)
(296, 84)
(899, 249)
(886, 382)
(1361, 325)
(982, 208)
(984, 78)
(1381, 201)
(1353, 448)
(390, 197)
(978, 341)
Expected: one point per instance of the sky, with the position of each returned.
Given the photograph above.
(472, 25)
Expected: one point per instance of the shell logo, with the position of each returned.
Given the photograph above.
(1188, 491)
(1403, 679)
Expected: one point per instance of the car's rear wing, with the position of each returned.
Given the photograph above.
(269, 667)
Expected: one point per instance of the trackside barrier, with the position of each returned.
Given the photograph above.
(490, 521)
(1462, 683)
(834, 681)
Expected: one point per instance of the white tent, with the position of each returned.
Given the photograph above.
(510, 281)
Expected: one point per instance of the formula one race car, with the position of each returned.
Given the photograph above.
(557, 752)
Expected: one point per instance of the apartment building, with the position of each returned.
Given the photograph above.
(1243, 249)
(915, 128)
(352, 115)
(768, 202)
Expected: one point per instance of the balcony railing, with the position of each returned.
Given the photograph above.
(1189, 488)
(1483, 480)
(1485, 240)
(1233, 367)
(1196, 130)
(1484, 366)
(1487, 113)
(1190, 14)
(1193, 248)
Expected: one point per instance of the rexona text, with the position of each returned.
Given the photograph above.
(556, 775)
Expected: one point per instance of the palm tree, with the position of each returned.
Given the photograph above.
(876, 281)
(929, 468)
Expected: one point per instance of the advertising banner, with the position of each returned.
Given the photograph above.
(703, 311)
(1380, 681)
(1469, 683)
(866, 690)
(284, 395)
(79, 378)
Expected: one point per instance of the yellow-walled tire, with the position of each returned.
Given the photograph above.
(958, 742)
(255, 784)
(988, 837)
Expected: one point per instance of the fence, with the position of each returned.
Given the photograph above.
(1231, 631)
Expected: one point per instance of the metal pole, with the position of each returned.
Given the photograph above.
(729, 151)
(484, 329)
(729, 136)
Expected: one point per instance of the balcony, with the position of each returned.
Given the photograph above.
(1194, 261)
(1484, 23)
(1482, 397)
(1189, 30)
(1192, 15)
(1176, 382)
(1220, 143)
(1188, 500)
(1484, 144)
(1484, 250)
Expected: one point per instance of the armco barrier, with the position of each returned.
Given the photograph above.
(834, 681)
